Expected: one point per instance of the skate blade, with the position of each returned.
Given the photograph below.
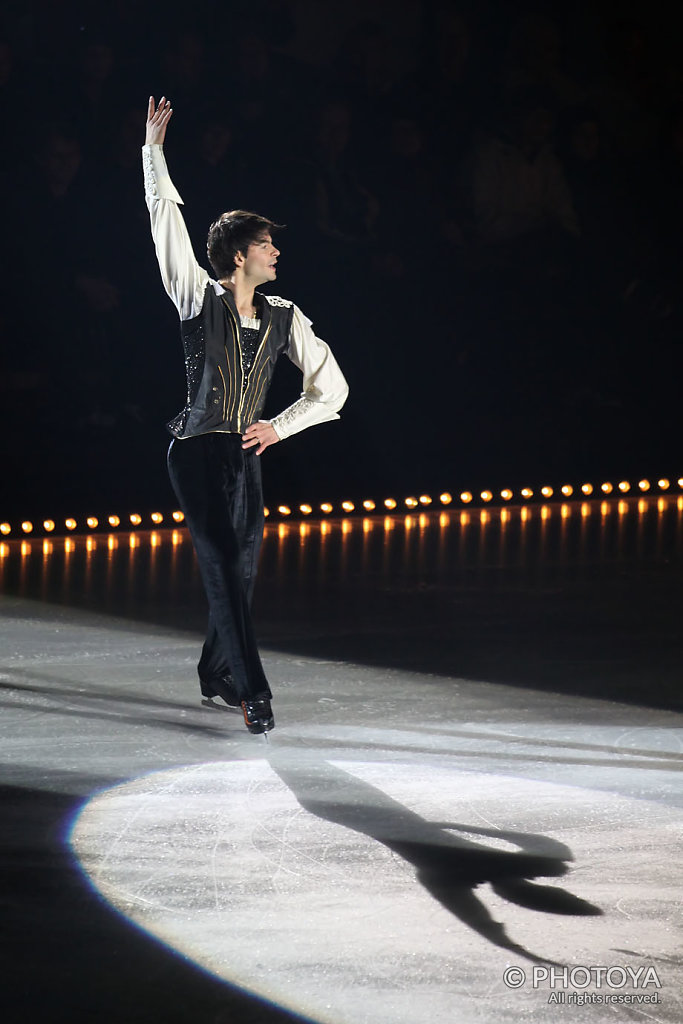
(207, 702)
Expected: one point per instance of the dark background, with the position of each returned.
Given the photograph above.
(484, 205)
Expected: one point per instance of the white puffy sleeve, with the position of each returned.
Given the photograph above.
(184, 280)
(324, 388)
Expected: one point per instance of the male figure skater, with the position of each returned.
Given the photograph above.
(232, 336)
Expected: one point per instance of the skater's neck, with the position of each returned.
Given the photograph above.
(243, 294)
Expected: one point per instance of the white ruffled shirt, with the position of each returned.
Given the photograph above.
(324, 388)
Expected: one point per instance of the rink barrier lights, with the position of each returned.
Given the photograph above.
(482, 516)
(486, 498)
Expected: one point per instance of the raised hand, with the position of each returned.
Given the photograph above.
(157, 121)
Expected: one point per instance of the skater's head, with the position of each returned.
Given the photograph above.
(243, 240)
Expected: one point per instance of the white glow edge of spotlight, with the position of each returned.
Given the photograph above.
(222, 863)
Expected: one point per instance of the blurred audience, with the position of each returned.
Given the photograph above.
(519, 189)
(502, 193)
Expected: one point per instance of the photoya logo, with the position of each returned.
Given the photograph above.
(581, 978)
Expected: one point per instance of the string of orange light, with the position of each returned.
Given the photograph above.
(369, 505)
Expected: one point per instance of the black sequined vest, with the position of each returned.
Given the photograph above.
(222, 394)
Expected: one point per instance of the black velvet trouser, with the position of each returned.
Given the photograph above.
(218, 486)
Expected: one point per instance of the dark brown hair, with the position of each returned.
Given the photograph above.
(234, 232)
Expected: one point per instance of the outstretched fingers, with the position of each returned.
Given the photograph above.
(162, 113)
(157, 119)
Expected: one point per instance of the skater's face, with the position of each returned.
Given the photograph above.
(260, 262)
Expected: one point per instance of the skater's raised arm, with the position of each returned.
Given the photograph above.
(184, 280)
